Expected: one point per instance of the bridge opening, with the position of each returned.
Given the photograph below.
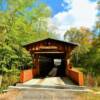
(52, 65)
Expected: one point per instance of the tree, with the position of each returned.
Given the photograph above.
(93, 57)
(12, 55)
(96, 29)
(21, 22)
(83, 37)
(26, 19)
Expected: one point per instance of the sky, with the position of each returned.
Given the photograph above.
(71, 13)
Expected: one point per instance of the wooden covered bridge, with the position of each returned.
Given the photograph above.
(44, 52)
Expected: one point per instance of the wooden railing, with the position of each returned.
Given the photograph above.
(27, 75)
(76, 76)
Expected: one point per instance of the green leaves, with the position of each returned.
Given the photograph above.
(82, 36)
(24, 21)
(19, 4)
(87, 55)
(12, 55)
(95, 54)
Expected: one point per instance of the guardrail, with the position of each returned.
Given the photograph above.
(76, 76)
(28, 74)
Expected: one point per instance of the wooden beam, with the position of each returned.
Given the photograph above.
(48, 47)
(36, 62)
(48, 52)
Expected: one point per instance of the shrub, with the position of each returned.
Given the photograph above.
(10, 77)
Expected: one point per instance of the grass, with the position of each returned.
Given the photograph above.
(7, 80)
(96, 79)
(96, 89)
(88, 96)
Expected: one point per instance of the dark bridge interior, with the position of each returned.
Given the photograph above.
(46, 62)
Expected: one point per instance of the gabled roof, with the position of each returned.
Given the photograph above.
(55, 40)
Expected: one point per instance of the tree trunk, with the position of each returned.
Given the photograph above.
(0, 80)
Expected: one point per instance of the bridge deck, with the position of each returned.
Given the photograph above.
(50, 81)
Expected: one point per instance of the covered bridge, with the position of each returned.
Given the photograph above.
(44, 52)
